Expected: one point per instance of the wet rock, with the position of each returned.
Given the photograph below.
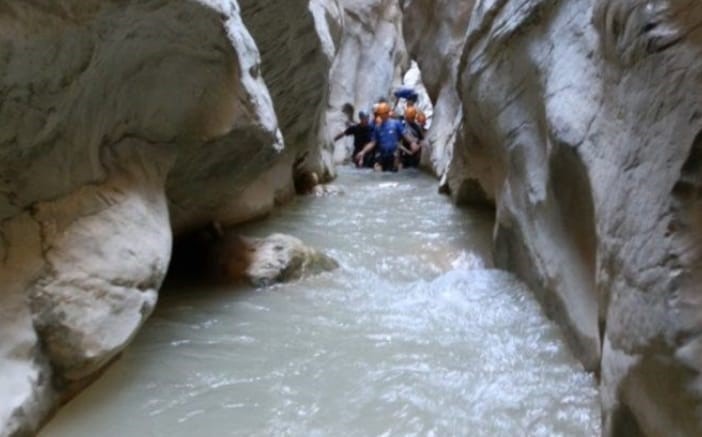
(265, 261)
(298, 42)
(582, 121)
(305, 182)
(435, 33)
(282, 258)
(121, 124)
(371, 60)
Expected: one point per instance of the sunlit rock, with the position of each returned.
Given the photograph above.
(435, 32)
(582, 122)
(298, 41)
(118, 122)
(265, 261)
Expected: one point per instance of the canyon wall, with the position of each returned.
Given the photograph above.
(371, 60)
(581, 124)
(125, 124)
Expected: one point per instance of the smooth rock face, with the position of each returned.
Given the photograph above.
(298, 39)
(282, 258)
(435, 32)
(371, 60)
(263, 261)
(123, 124)
(582, 122)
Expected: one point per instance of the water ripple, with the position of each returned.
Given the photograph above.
(413, 335)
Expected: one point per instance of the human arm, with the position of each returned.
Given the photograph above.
(412, 141)
(406, 150)
(349, 131)
(367, 148)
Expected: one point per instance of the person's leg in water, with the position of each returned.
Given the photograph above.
(411, 161)
(387, 163)
(369, 160)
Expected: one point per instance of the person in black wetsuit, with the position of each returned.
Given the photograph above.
(362, 135)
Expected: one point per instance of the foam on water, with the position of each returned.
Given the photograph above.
(414, 335)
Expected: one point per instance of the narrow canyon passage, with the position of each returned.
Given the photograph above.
(415, 334)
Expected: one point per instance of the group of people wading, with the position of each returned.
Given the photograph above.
(387, 142)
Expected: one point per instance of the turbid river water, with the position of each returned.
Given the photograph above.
(414, 335)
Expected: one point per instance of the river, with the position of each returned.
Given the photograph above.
(415, 334)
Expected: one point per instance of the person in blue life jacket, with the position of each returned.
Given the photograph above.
(362, 134)
(386, 136)
(409, 156)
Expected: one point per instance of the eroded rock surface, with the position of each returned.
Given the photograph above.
(581, 122)
(298, 41)
(282, 258)
(435, 33)
(371, 60)
(124, 123)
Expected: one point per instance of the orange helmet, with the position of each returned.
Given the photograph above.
(383, 109)
(421, 118)
(410, 113)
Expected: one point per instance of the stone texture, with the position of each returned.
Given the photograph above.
(282, 258)
(371, 61)
(581, 124)
(123, 124)
(298, 39)
(231, 258)
(578, 120)
(435, 32)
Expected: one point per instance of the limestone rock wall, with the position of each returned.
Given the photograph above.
(435, 32)
(298, 40)
(371, 60)
(124, 123)
(582, 123)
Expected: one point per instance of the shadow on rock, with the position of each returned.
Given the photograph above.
(215, 255)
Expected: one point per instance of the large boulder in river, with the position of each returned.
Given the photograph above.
(123, 123)
(265, 261)
(282, 258)
(582, 122)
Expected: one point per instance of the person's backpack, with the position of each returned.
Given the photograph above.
(406, 93)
